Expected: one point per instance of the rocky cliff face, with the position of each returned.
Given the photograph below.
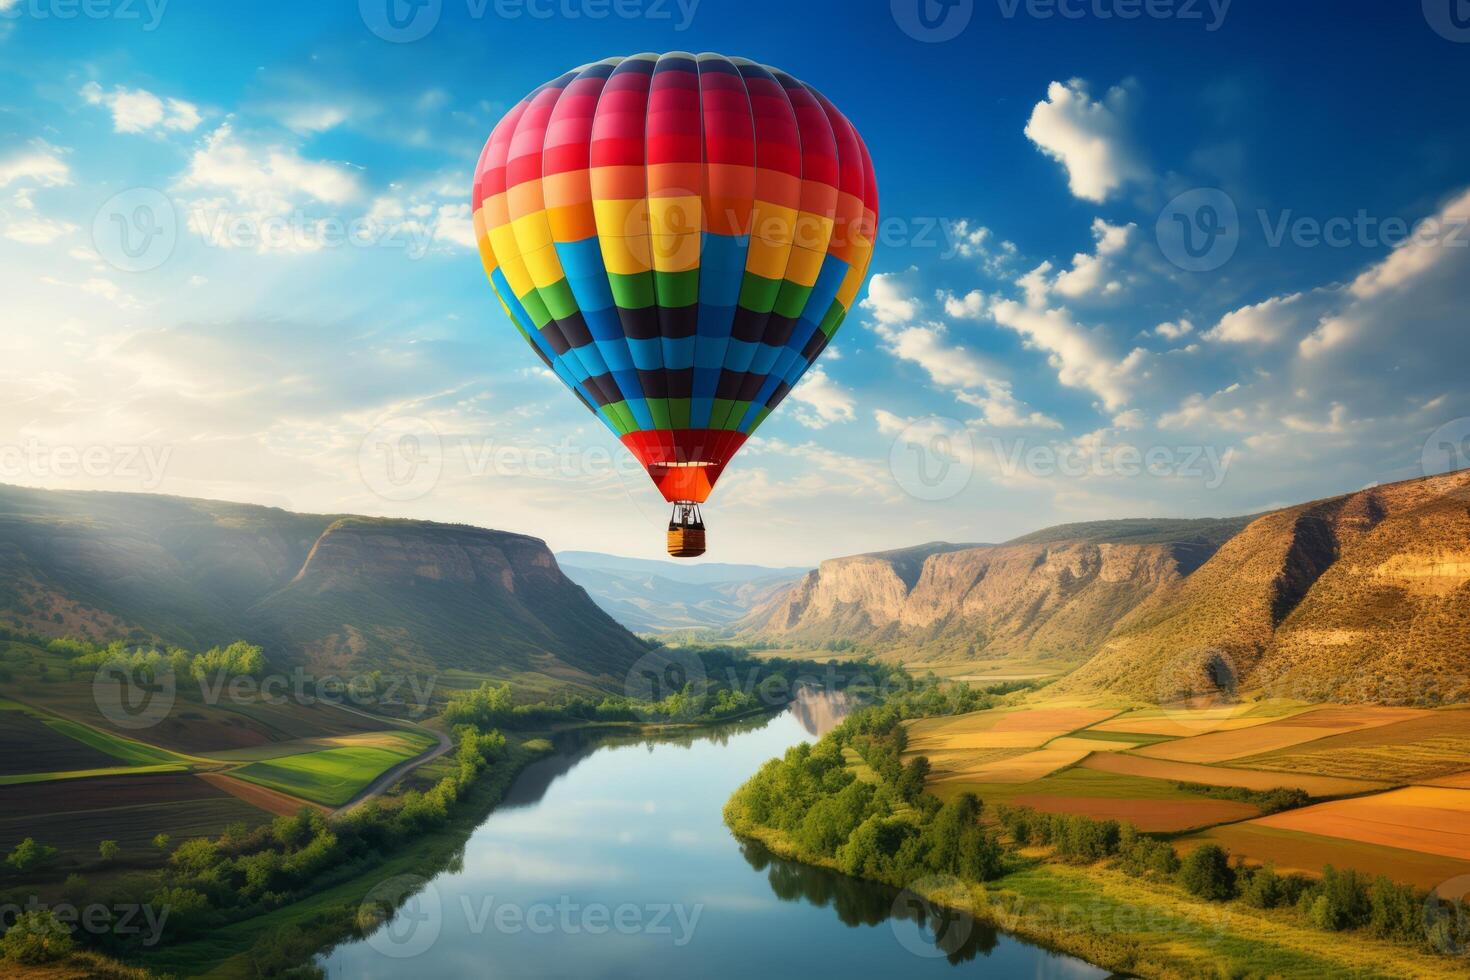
(328, 592)
(1043, 599)
(1364, 597)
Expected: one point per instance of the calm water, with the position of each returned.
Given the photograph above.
(613, 861)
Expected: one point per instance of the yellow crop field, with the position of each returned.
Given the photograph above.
(1132, 764)
(1023, 768)
(1426, 748)
(1279, 734)
(1429, 819)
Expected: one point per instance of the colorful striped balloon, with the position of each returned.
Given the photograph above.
(678, 237)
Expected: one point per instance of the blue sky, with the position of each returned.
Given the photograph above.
(309, 326)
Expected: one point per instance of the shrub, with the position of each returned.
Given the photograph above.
(28, 856)
(36, 937)
(1206, 873)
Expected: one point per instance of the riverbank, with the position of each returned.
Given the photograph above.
(1131, 926)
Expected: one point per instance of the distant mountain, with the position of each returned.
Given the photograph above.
(1363, 597)
(659, 596)
(324, 591)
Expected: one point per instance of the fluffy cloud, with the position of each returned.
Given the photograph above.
(138, 110)
(826, 400)
(1093, 274)
(259, 194)
(1261, 323)
(950, 366)
(1090, 138)
(39, 164)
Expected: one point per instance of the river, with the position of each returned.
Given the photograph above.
(612, 860)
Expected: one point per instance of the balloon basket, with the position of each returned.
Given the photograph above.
(686, 531)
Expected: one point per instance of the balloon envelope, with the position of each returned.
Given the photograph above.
(678, 237)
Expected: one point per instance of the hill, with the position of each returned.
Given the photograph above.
(660, 596)
(1361, 597)
(326, 592)
(1053, 594)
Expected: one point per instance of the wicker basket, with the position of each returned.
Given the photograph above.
(686, 542)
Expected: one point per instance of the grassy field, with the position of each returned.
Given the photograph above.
(333, 776)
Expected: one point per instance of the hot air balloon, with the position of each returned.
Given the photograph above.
(678, 237)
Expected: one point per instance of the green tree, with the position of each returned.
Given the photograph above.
(1206, 872)
(109, 850)
(161, 841)
(35, 938)
(28, 856)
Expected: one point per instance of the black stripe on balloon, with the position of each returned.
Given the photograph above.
(781, 392)
(574, 329)
(552, 334)
(814, 346)
(678, 322)
(749, 326)
(729, 386)
(603, 389)
(654, 383)
(641, 323)
(750, 386)
(779, 330)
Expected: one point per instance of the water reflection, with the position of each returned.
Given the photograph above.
(618, 821)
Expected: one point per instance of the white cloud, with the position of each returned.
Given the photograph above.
(1131, 419)
(1090, 138)
(138, 110)
(36, 230)
(950, 366)
(1174, 330)
(1093, 274)
(889, 303)
(970, 306)
(40, 163)
(827, 400)
(1262, 323)
(261, 193)
(313, 117)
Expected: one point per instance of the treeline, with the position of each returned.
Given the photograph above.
(1338, 900)
(889, 830)
(210, 882)
(239, 659)
(732, 684)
